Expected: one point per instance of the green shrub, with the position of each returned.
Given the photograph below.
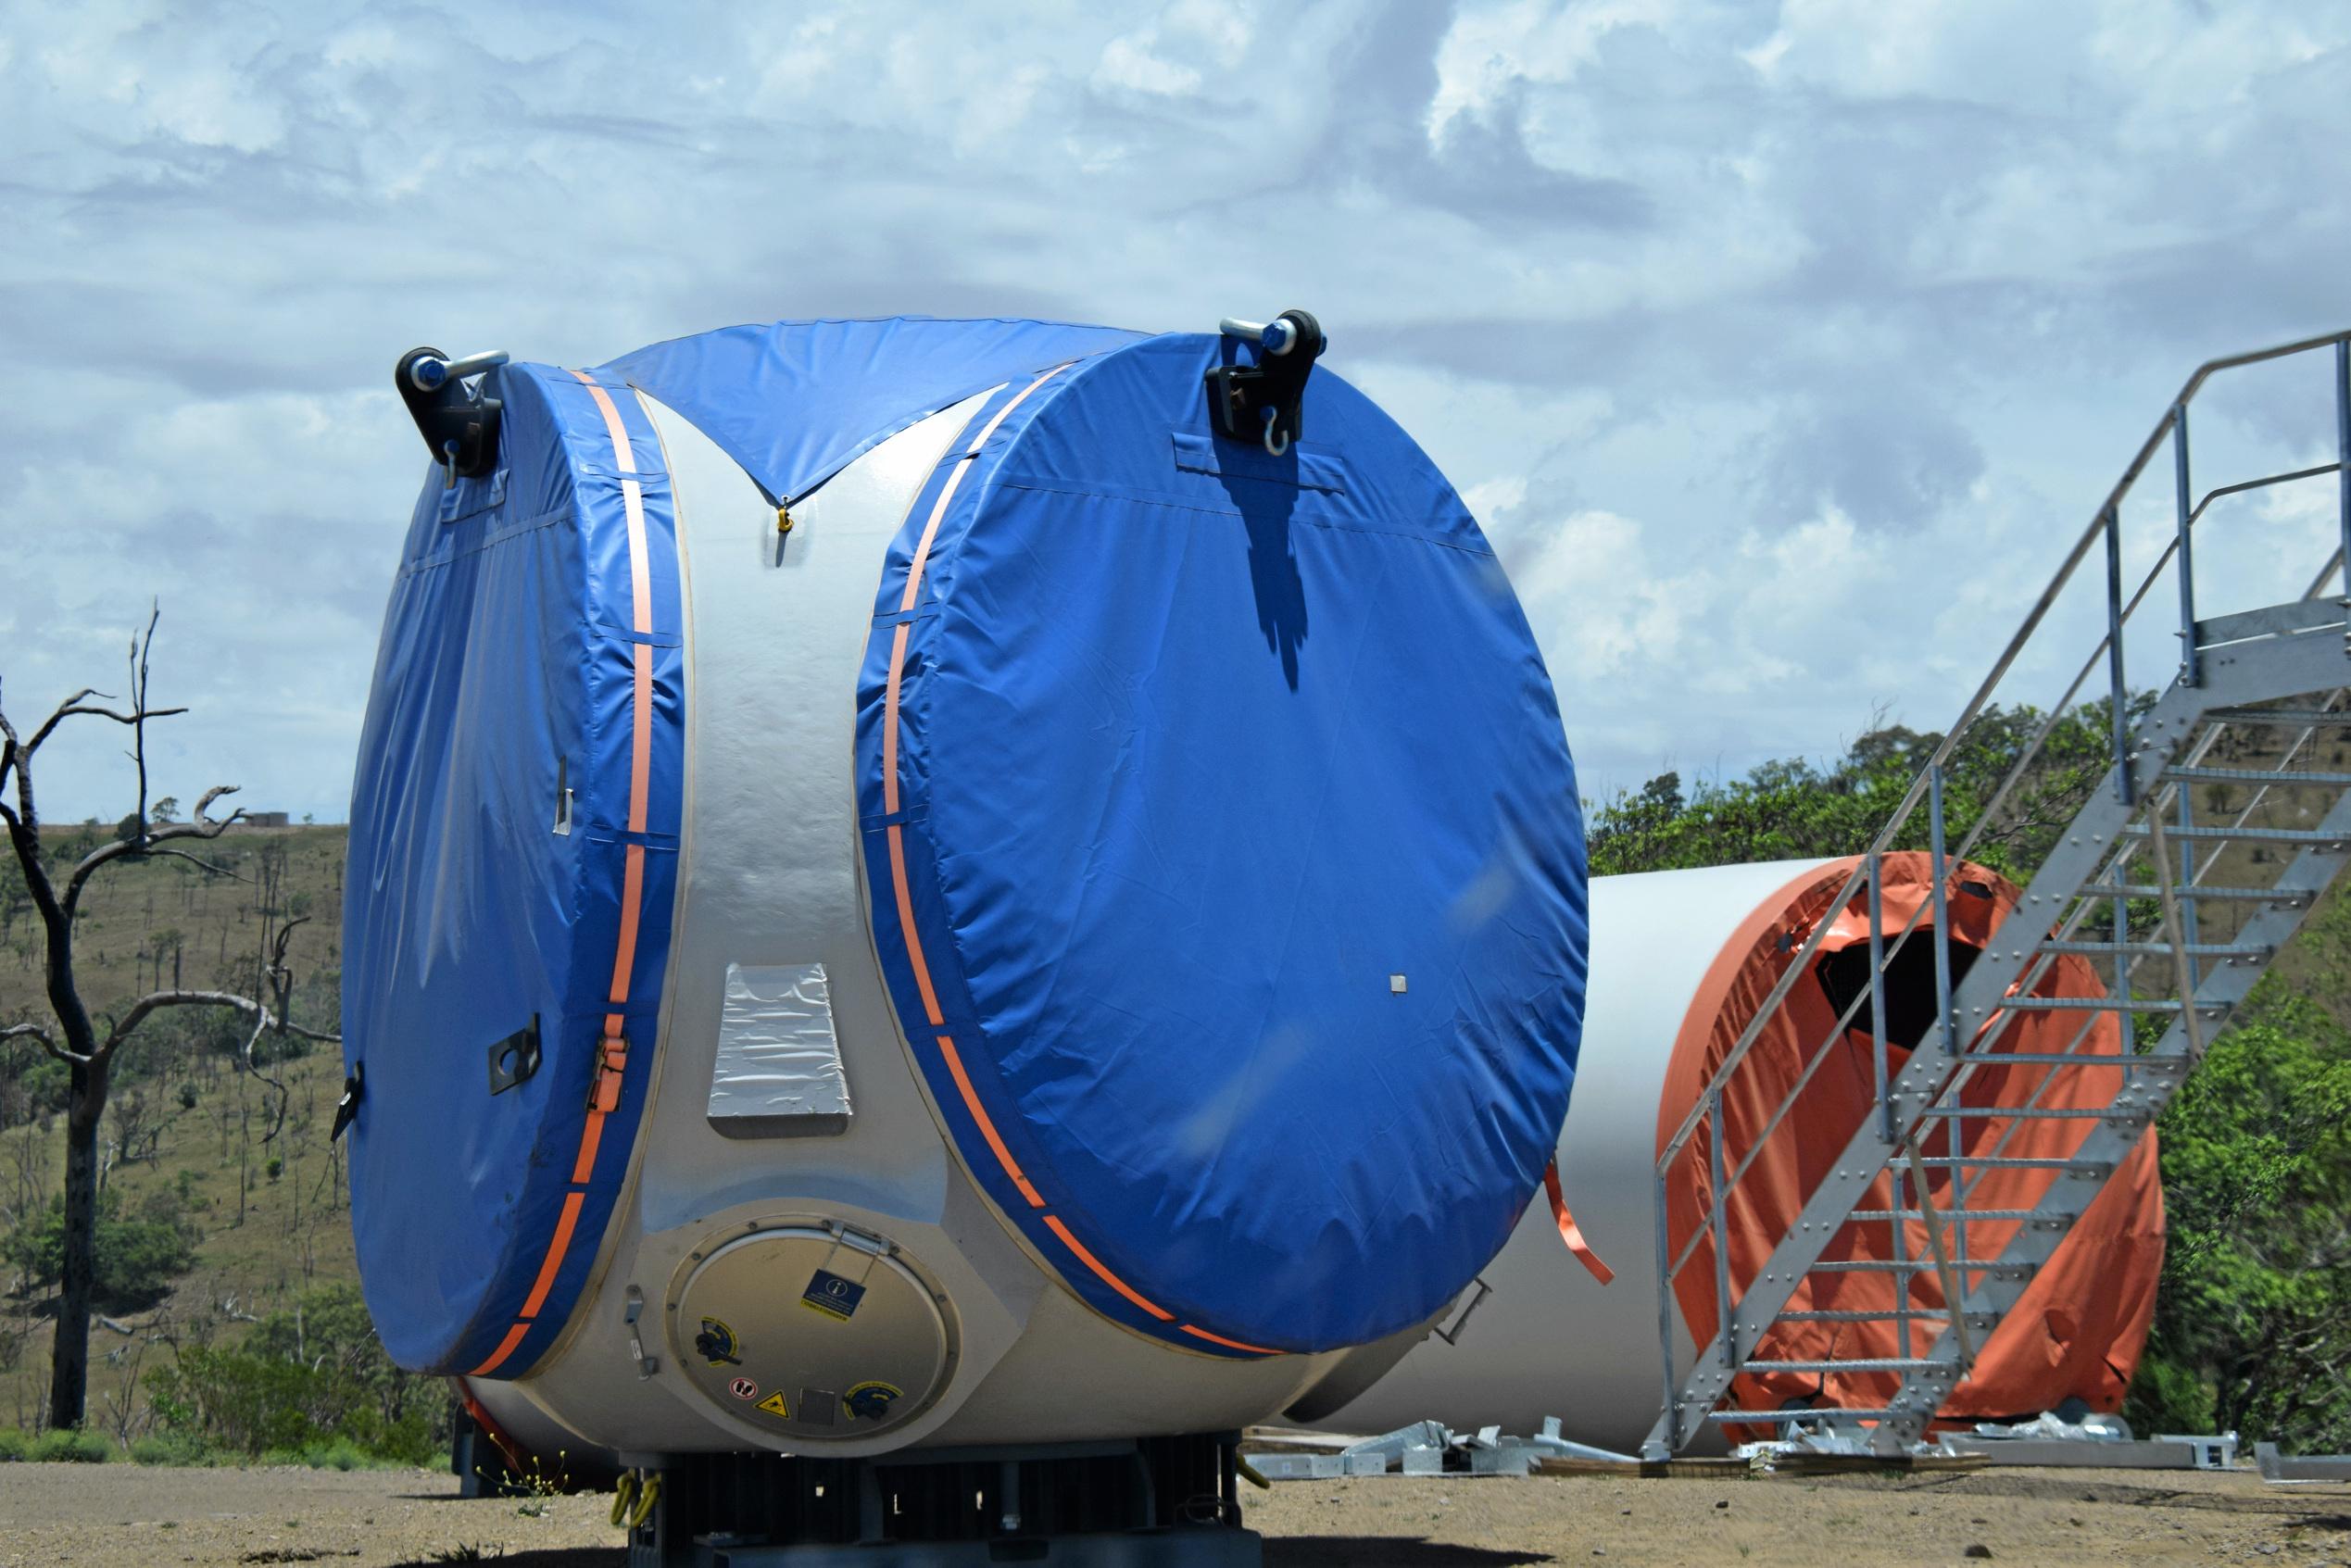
(309, 1386)
(61, 1444)
(14, 1445)
(339, 1454)
(181, 1448)
(137, 1258)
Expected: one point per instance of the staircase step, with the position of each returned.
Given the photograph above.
(2068, 1059)
(2092, 1004)
(2029, 1113)
(2291, 898)
(1889, 1315)
(2015, 1162)
(2295, 718)
(2009, 1268)
(2240, 835)
(1772, 1418)
(2255, 776)
(1969, 1215)
(2161, 949)
(1887, 1363)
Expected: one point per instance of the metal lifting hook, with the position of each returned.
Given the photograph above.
(1270, 387)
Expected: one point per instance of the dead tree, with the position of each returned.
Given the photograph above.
(72, 1037)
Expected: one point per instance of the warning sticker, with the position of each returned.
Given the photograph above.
(774, 1404)
(830, 1294)
(870, 1401)
(744, 1388)
(716, 1344)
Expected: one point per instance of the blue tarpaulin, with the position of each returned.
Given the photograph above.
(506, 676)
(796, 402)
(1233, 883)
(1226, 873)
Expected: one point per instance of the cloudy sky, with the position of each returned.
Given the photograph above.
(1779, 346)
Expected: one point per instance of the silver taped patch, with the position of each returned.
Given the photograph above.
(778, 1072)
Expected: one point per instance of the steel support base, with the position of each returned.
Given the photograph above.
(1152, 1502)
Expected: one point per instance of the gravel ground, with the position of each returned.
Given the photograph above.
(121, 1513)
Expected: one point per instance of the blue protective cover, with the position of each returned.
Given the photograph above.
(1195, 749)
(796, 402)
(506, 672)
(1198, 747)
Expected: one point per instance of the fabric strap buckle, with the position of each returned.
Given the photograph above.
(611, 1062)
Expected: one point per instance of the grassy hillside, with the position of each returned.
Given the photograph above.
(188, 1141)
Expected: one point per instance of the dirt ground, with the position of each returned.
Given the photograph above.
(121, 1513)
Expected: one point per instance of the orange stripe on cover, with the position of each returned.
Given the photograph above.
(892, 687)
(640, 732)
(632, 504)
(1570, 1232)
(632, 911)
(947, 492)
(1054, 1222)
(506, 1347)
(611, 1051)
(905, 924)
(563, 1226)
(987, 1126)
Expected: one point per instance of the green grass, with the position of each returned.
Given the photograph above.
(68, 1448)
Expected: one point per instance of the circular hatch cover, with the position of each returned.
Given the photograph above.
(808, 1334)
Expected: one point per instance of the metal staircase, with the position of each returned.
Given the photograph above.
(2215, 829)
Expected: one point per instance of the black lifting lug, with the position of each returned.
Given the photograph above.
(459, 423)
(1261, 402)
(347, 1110)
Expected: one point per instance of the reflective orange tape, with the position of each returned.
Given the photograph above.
(892, 685)
(591, 1139)
(1228, 1344)
(506, 1347)
(1054, 1222)
(906, 925)
(1570, 1232)
(640, 732)
(631, 909)
(611, 1052)
(563, 1226)
(631, 505)
(889, 722)
(939, 509)
(987, 1126)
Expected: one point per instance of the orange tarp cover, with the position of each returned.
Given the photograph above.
(2080, 1327)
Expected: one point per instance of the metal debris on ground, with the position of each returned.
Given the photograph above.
(2103, 1441)
(1428, 1447)
(2299, 1470)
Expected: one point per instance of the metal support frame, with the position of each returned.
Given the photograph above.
(2189, 667)
(1153, 1502)
(2234, 670)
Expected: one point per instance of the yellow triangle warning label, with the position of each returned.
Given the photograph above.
(774, 1404)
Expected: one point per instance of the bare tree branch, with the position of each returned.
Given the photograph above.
(139, 708)
(119, 1031)
(200, 826)
(14, 753)
(35, 1030)
(213, 866)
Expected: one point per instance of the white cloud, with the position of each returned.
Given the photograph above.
(1779, 346)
